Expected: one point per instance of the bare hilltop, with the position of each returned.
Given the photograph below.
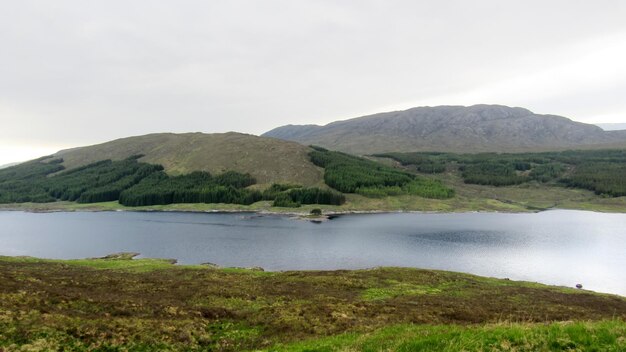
(477, 128)
(268, 160)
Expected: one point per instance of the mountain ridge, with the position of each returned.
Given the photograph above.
(451, 128)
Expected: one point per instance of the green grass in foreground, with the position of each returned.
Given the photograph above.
(607, 335)
(124, 304)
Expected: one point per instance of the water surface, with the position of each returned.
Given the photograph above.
(555, 247)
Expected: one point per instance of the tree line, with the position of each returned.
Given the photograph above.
(134, 183)
(45, 180)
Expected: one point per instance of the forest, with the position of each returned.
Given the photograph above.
(196, 187)
(351, 174)
(134, 183)
(601, 171)
(286, 195)
(43, 180)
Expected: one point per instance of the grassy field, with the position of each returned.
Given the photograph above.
(121, 304)
(568, 336)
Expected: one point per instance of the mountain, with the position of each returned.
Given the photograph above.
(612, 126)
(268, 160)
(478, 128)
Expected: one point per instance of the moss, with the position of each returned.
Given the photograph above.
(394, 288)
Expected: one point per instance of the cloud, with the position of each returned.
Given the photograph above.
(583, 81)
(78, 72)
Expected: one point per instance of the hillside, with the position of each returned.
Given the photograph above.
(478, 128)
(119, 304)
(268, 160)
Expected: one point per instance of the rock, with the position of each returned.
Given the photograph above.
(256, 268)
(211, 265)
(252, 268)
(579, 286)
(120, 256)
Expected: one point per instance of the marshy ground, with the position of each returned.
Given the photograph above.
(123, 304)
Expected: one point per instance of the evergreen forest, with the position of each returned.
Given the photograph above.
(600, 171)
(134, 183)
(352, 174)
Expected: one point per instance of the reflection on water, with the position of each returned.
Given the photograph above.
(468, 237)
(556, 247)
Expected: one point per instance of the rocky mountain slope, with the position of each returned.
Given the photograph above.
(477, 128)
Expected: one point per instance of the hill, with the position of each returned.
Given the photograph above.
(478, 128)
(267, 160)
(112, 172)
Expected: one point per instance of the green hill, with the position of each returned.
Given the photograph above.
(268, 160)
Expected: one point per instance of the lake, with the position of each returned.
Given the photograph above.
(555, 247)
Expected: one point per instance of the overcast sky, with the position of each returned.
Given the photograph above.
(82, 72)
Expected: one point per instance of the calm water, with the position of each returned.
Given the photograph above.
(555, 247)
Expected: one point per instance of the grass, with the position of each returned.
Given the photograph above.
(119, 303)
(118, 261)
(569, 336)
(267, 159)
(395, 288)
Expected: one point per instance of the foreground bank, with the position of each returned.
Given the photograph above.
(149, 304)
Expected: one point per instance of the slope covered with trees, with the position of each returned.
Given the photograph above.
(138, 184)
(98, 182)
(351, 174)
(196, 187)
(601, 171)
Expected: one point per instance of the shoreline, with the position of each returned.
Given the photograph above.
(95, 208)
(326, 216)
(469, 199)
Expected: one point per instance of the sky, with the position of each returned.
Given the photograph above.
(81, 72)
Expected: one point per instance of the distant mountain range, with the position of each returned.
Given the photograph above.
(8, 165)
(284, 157)
(478, 128)
(269, 160)
(612, 126)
